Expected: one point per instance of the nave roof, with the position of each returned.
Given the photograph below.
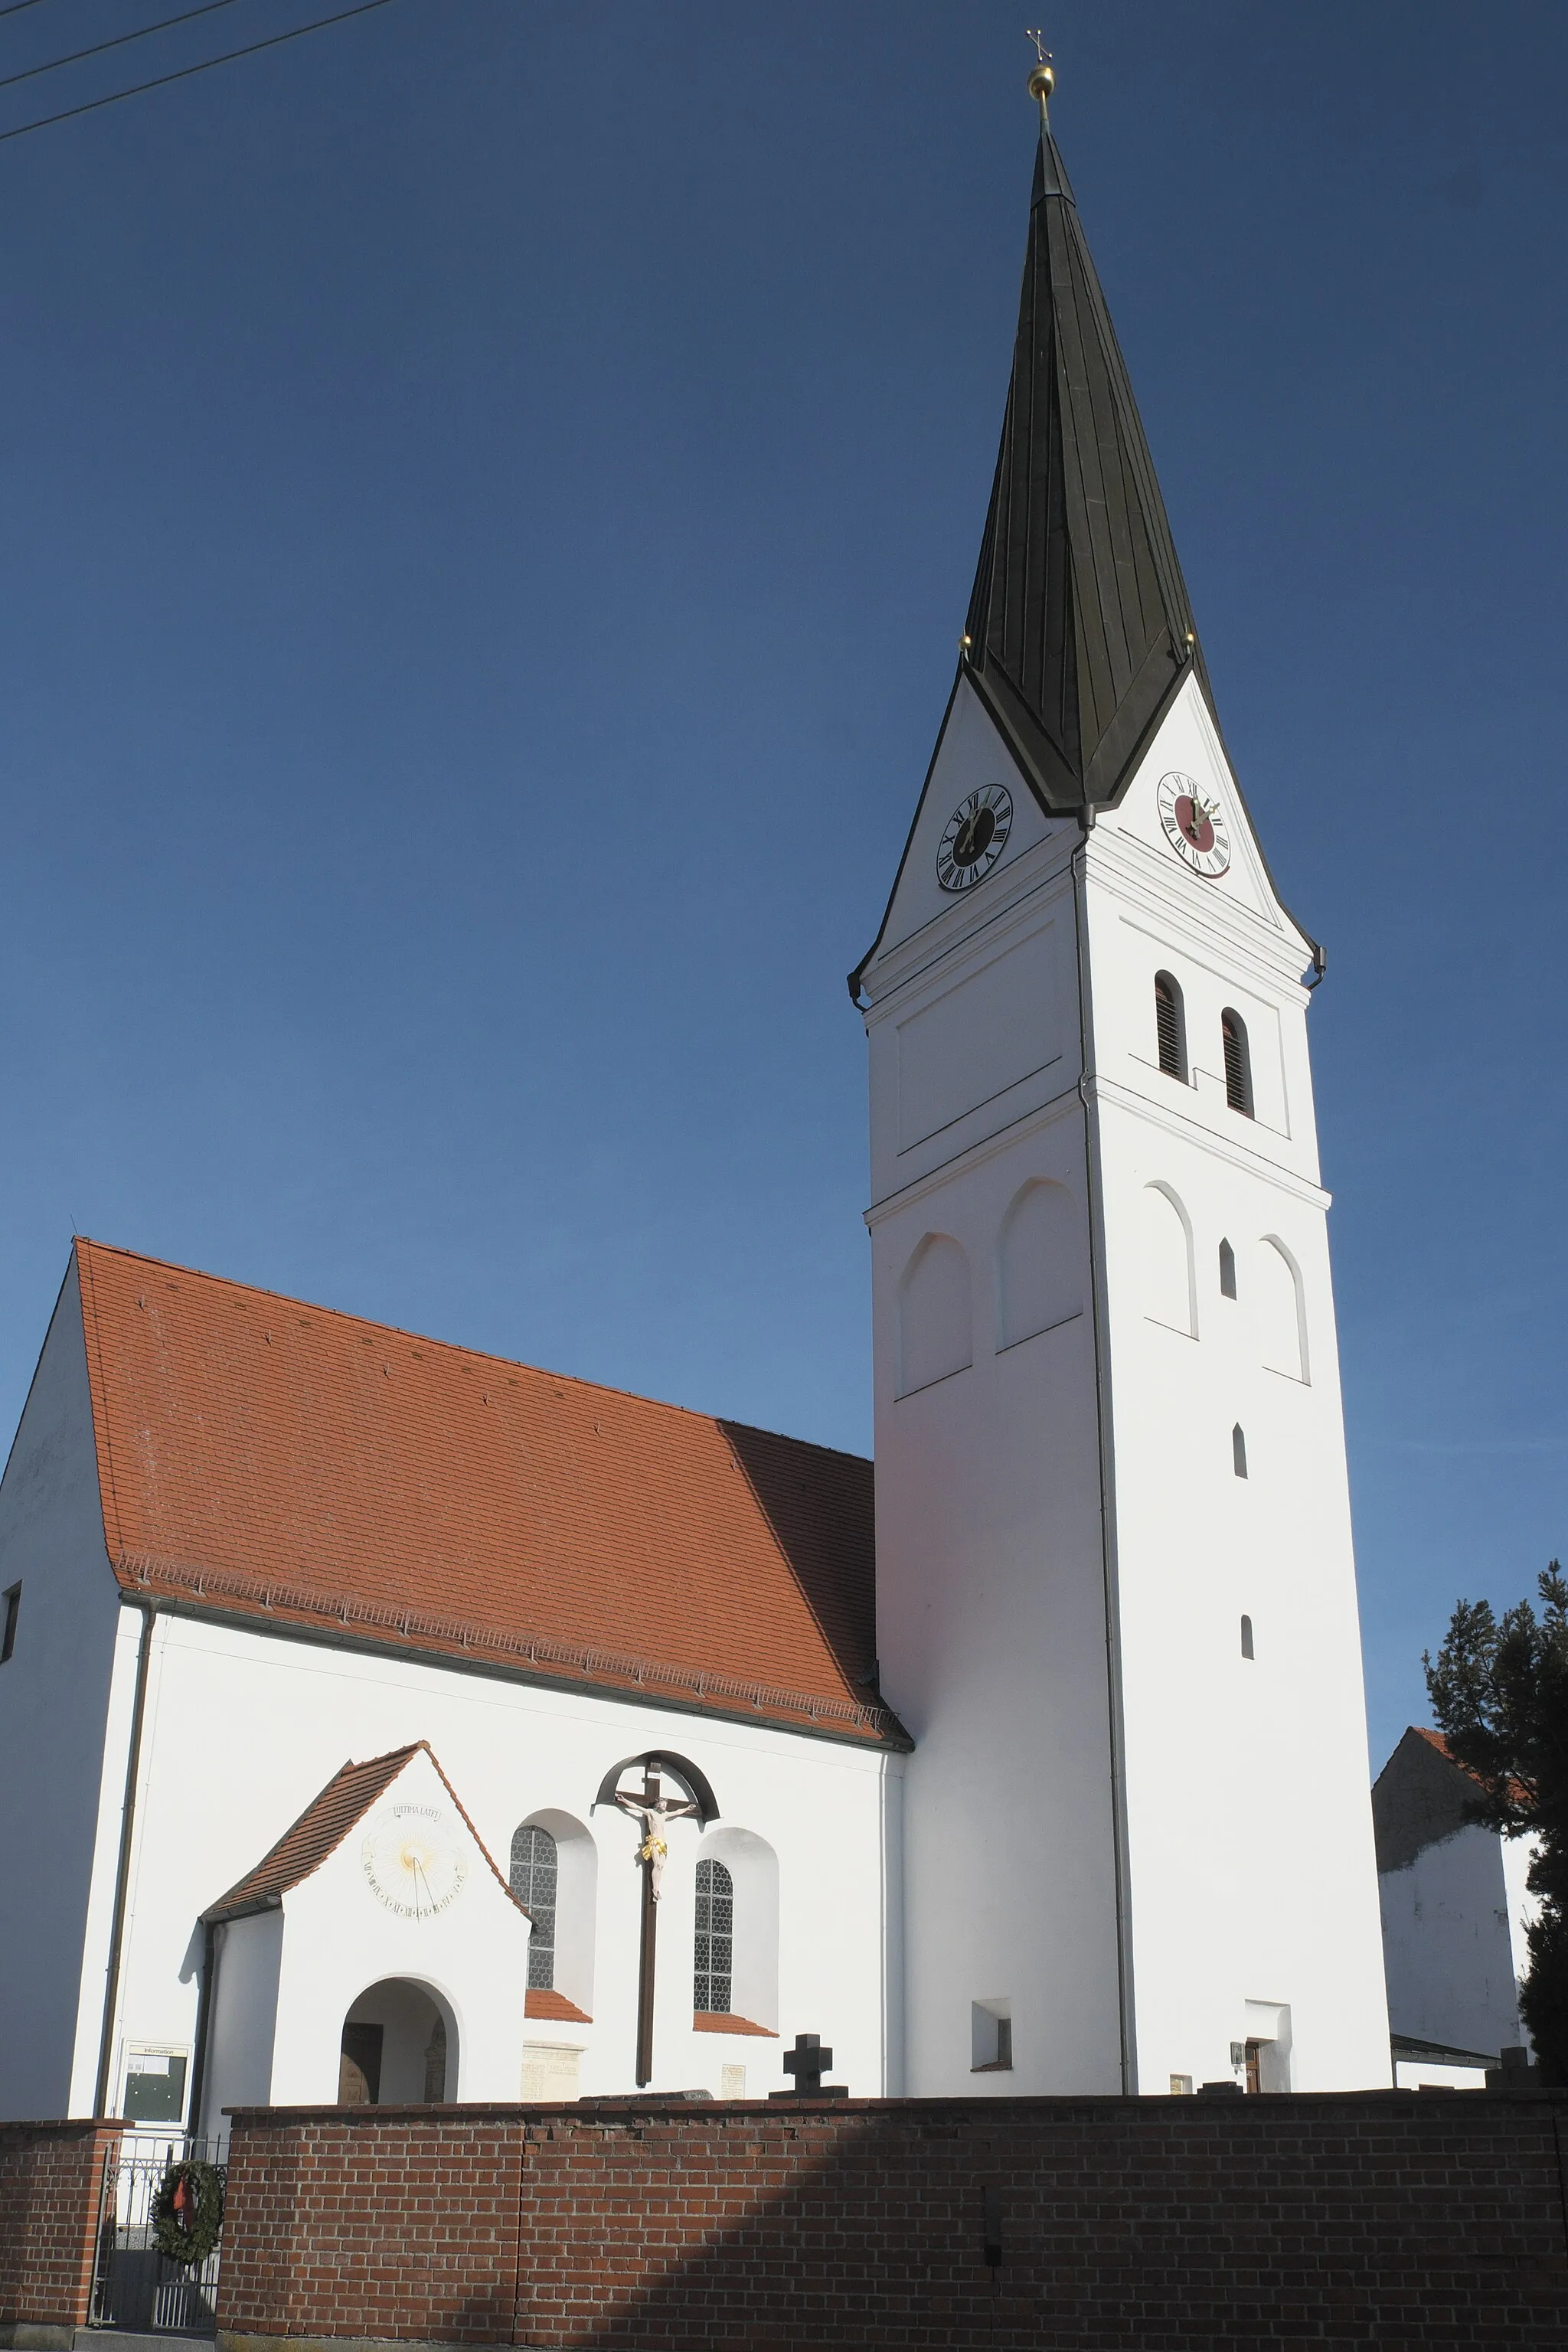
(304, 1469)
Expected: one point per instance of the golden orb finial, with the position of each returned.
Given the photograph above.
(1042, 74)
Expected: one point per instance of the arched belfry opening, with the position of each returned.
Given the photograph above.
(399, 2047)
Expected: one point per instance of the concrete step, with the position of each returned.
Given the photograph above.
(117, 2339)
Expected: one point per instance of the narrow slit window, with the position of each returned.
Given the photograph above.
(714, 1974)
(1246, 1650)
(12, 1609)
(1238, 1449)
(1238, 1063)
(1227, 1271)
(1170, 1026)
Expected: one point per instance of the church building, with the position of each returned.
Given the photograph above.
(386, 1721)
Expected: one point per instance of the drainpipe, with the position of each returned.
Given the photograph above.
(122, 1875)
(204, 2026)
(1099, 1309)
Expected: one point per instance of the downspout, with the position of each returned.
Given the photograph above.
(1098, 1312)
(122, 1875)
(204, 2000)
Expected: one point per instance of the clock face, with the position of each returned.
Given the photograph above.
(976, 837)
(412, 1862)
(1195, 825)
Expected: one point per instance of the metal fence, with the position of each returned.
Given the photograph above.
(134, 2287)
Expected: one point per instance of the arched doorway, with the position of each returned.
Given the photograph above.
(399, 2048)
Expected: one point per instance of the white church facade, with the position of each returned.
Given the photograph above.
(401, 1723)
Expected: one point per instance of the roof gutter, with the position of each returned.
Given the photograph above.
(122, 1872)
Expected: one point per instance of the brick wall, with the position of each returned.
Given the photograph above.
(50, 2176)
(1399, 2219)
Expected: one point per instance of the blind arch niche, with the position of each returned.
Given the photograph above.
(936, 1315)
(1040, 1275)
(1170, 1293)
(1281, 1311)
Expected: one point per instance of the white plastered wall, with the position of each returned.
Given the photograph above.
(1454, 1948)
(272, 1719)
(65, 1703)
(338, 1939)
(991, 1604)
(1249, 1818)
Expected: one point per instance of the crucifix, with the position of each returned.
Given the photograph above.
(655, 1812)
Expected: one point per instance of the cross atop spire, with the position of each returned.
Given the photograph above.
(1043, 79)
(1080, 630)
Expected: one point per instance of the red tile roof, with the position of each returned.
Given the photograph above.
(321, 1829)
(298, 1467)
(1436, 1739)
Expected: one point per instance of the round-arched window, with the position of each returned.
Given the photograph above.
(714, 1971)
(535, 1873)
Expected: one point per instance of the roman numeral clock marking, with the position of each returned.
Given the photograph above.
(1194, 823)
(974, 837)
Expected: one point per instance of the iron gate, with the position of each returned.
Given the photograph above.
(134, 2287)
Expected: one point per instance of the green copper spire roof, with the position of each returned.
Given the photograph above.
(1080, 630)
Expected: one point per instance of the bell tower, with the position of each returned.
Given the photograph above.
(1116, 1592)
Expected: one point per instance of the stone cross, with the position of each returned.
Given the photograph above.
(807, 2062)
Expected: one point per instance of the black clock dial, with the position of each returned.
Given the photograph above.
(975, 836)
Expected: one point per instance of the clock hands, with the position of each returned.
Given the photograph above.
(974, 837)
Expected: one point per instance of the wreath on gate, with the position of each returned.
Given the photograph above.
(188, 2211)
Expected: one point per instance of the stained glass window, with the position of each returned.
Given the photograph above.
(715, 1938)
(534, 1870)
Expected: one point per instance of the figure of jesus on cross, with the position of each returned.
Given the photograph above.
(654, 1811)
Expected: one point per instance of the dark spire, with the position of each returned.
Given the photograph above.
(1080, 630)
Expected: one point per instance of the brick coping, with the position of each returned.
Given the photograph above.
(67, 2124)
(674, 2104)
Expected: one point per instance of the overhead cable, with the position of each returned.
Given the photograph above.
(30, 73)
(184, 73)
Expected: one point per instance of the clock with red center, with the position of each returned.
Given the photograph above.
(1194, 823)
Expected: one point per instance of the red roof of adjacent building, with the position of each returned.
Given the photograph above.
(301, 1467)
(322, 1827)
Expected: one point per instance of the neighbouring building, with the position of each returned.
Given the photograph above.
(1454, 1911)
(387, 1720)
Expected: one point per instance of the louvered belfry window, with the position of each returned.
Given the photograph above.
(1170, 1027)
(1238, 1063)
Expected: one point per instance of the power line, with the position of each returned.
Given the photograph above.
(17, 7)
(75, 56)
(184, 73)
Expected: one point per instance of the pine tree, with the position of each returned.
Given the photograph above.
(1500, 1693)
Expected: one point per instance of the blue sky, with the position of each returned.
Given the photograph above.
(488, 497)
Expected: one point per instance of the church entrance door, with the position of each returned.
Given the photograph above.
(399, 2048)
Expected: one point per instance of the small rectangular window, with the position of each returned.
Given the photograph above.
(13, 1601)
(992, 2050)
